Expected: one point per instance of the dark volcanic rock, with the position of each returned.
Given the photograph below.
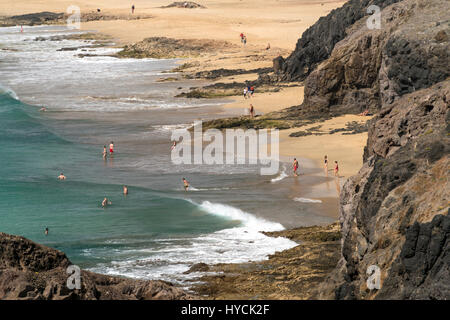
(198, 267)
(318, 41)
(184, 4)
(32, 271)
(394, 212)
(369, 69)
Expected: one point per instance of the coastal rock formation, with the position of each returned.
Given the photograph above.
(184, 4)
(371, 68)
(45, 17)
(394, 212)
(29, 271)
(291, 274)
(318, 41)
(162, 47)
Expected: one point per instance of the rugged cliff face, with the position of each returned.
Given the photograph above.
(371, 68)
(29, 271)
(318, 41)
(394, 212)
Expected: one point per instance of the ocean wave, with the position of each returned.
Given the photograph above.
(280, 177)
(9, 92)
(240, 244)
(307, 200)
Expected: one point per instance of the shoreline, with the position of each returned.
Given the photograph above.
(267, 102)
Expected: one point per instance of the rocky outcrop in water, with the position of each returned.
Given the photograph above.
(162, 47)
(29, 271)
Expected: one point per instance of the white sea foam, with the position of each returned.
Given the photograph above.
(307, 200)
(280, 177)
(8, 91)
(240, 244)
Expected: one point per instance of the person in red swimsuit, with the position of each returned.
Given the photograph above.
(295, 165)
(111, 147)
(336, 169)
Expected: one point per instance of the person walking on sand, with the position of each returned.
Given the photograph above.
(252, 111)
(245, 93)
(242, 37)
(252, 90)
(61, 176)
(326, 164)
(106, 203)
(132, 8)
(295, 167)
(111, 148)
(245, 40)
(186, 184)
(125, 190)
(336, 169)
(105, 152)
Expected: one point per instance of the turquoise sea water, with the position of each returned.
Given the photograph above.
(157, 231)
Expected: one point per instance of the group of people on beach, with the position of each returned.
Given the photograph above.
(336, 166)
(249, 91)
(295, 167)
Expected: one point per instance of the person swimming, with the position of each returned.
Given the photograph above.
(61, 176)
(186, 184)
(125, 190)
(106, 203)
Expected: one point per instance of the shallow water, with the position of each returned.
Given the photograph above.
(158, 230)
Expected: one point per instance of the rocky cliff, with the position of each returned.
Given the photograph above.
(318, 41)
(29, 271)
(368, 69)
(394, 212)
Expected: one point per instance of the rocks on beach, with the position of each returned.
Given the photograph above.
(30, 271)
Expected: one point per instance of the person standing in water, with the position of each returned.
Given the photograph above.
(252, 111)
(105, 152)
(125, 190)
(336, 169)
(106, 203)
(111, 148)
(61, 176)
(186, 184)
(46, 231)
(295, 166)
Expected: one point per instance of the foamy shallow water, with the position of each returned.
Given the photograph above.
(158, 231)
